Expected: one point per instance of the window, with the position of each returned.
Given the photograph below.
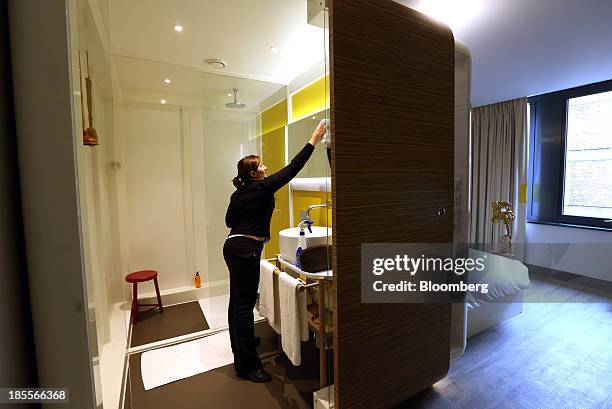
(570, 164)
(588, 157)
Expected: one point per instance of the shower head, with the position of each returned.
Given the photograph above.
(235, 104)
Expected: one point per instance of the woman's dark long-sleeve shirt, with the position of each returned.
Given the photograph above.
(251, 207)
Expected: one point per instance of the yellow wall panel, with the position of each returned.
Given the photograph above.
(311, 99)
(303, 199)
(273, 155)
(280, 221)
(274, 117)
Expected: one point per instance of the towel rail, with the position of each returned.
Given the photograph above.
(321, 332)
(301, 287)
(277, 272)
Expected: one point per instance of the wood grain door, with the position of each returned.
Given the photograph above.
(392, 109)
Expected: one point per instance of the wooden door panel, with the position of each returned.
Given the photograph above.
(392, 109)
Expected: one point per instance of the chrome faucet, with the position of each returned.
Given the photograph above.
(317, 206)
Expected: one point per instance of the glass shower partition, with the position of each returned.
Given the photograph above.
(95, 104)
(231, 129)
(311, 196)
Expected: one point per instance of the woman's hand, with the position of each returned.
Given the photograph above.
(317, 135)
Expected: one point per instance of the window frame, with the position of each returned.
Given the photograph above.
(535, 144)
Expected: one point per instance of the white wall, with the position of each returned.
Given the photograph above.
(580, 251)
(177, 170)
(154, 171)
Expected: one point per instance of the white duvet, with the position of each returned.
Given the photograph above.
(505, 277)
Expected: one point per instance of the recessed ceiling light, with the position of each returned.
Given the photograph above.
(167, 80)
(163, 101)
(274, 49)
(178, 28)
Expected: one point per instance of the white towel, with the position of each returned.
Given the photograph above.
(294, 319)
(266, 294)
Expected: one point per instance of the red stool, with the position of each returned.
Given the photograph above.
(141, 277)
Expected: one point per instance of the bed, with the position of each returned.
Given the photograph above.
(507, 278)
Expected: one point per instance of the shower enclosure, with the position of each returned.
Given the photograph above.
(180, 158)
(153, 194)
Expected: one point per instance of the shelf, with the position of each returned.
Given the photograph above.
(321, 184)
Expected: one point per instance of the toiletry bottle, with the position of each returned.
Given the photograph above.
(304, 224)
(301, 247)
(197, 280)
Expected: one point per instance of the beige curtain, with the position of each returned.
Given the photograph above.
(499, 170)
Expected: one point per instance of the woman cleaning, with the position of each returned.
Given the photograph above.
(249, 215)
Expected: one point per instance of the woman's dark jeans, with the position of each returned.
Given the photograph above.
(242, 256)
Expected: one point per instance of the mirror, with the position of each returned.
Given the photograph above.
(299, 131)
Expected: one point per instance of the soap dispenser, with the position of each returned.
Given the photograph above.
(197, 280)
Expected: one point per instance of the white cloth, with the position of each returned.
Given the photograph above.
(294, 318)
(266, 292)
(165, 365)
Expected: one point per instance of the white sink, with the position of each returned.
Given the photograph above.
(289, 240)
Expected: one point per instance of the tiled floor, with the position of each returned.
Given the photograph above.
(553, 355)
(215, 310)
(291, 387)
(175, 321)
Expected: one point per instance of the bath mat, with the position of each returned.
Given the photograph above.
(166, 365)
(176, 320)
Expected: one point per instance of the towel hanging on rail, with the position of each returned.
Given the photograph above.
(294, 318)
(266, 294)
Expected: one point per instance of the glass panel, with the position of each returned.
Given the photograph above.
(588, 158)
(235, 114)
(95, 105)
(330, 283)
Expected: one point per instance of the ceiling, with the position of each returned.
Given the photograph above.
(519, 47)
(211, 90)
(529, 47)
(237, 31)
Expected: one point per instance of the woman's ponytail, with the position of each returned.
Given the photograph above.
(238, 183)
(245, 166)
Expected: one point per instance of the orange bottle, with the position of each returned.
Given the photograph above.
(197, 279)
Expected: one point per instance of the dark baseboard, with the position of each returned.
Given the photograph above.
(576, 279)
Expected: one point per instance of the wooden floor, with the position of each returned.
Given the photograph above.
(553, 355)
